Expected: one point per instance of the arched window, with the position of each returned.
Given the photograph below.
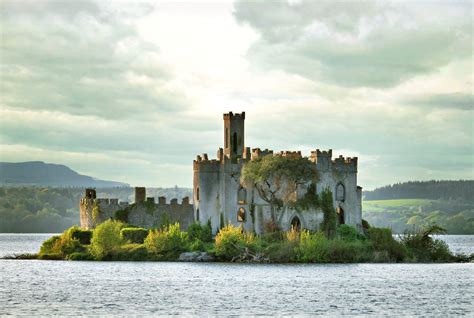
(340, 192)
(241, 215)
(197, 215)
(296, 223)
(234, 142)
(197, 194)
(241, 196)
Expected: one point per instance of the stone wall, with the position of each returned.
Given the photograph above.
(144, 212)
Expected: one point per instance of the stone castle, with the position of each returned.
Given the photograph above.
(219, 196)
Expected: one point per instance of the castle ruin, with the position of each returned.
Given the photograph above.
(221, 198)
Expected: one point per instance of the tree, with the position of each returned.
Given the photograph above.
(276, 178)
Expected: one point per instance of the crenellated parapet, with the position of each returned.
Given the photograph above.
(231, 115)
(290, 154)
(202, 163)
(257, 152)
(344, 164)
(322, 159)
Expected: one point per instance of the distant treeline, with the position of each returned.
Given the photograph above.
(433, 190)
(53, 209)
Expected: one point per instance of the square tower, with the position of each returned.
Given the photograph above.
(234, 142)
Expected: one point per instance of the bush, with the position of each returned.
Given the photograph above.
(131, 252)
(316, 248)
(282, 251)
(84, 236)
(423, 248)
(197, 246)
(231, 241)
(80, 256)
(59, 247)
(135, 235)
(339, 251)
(106, 239)
(312, 247)
(196, 231)
(349, 233)
(386, 247)
(168, 242)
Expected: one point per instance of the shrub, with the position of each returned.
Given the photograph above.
(423, 248)
(196, 231)
(293, 234)
(281, 252)
(231, 242)
(382, 241)
(168, 242)
(84, 236)
(48, 245)
(131, 252)
(106, 239)
(196, 246)
(135, 235)
(340, 251)
(312, 247)
(349, 233)
(59, 247)
(80, 256)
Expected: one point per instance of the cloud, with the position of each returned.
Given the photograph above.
(445, 101)
(356, 44)
(83, 58)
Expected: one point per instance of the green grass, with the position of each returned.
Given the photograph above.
(383, 205)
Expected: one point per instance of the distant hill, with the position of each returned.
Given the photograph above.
(434, 190)
(38, 173)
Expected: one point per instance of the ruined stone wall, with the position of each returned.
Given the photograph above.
(143, 213)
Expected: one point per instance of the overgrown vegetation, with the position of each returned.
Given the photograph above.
(277, 178)
(117, 241)
(328, 226)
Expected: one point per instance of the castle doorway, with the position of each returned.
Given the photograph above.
(296, 223)
(340, 214)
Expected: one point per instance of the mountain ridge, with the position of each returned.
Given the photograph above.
(39, 173)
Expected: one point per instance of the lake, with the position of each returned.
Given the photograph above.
(31, 287)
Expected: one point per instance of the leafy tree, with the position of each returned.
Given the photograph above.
(276, 178)
(106, 239)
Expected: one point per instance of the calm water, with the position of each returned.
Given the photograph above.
(121, 288)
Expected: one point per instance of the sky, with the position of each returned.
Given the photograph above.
(133, 91)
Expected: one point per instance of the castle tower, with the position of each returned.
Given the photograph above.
(86, 208)
(234, 135)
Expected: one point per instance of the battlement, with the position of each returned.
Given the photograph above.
(231, 115)
(106, 202)
(203, 163)
(257, 152)
(345, 164)
(290, 154)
